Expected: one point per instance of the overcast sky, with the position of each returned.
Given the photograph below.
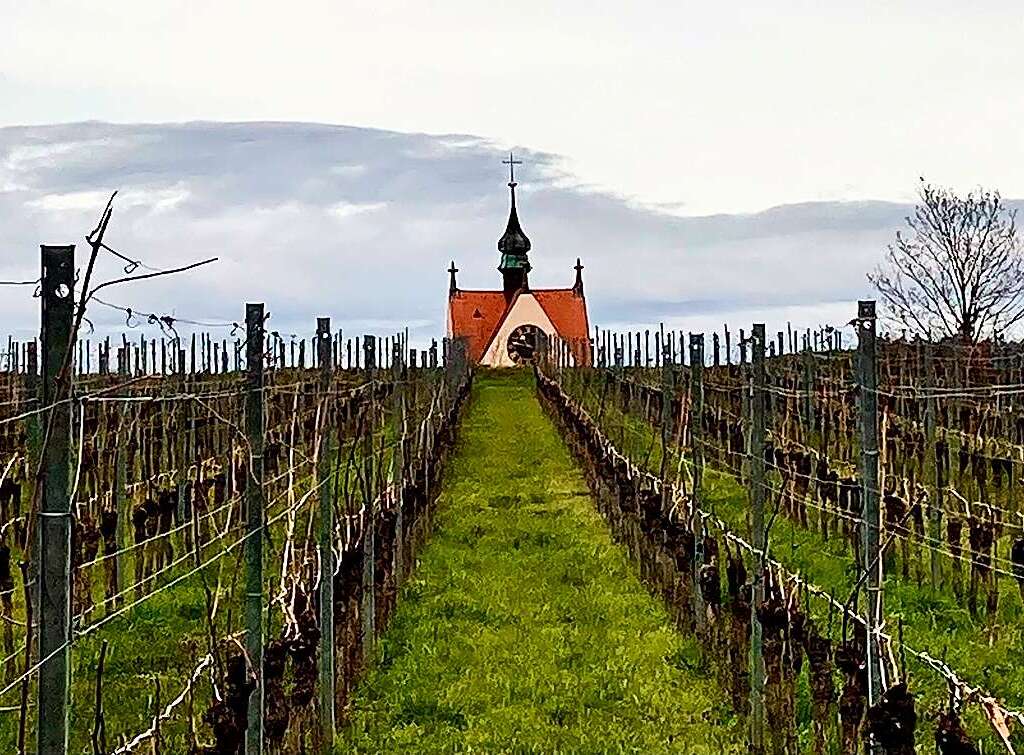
(706, 107)
(361, 224)
(657, 139)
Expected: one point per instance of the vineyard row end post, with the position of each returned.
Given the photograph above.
(54, 555)
(254, 351)
(327, 486)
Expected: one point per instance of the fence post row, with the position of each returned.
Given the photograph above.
(254, 350)
(57, 284)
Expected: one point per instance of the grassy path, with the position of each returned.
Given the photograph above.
(524, 628)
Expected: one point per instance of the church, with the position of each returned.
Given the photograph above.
(505, 327)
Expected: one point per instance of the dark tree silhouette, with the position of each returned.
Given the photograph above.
(959, 271)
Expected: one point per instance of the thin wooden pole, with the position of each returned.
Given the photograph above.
(255, 521)
(326, 544)
(757, 535)
(398, 459)
(867, 379)
(697, 454)
(934, 509)
(54, 556)
(368, 603)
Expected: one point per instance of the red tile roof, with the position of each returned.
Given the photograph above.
(477, 315)
(567, 311)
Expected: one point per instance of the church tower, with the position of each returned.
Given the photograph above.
(514, 245)
(507, 327)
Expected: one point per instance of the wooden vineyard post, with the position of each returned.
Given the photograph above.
(668, 392)
(183, 417)
(54, 556)
(398, 458)
(867, 381)
(326, 544)
(934, 508)
(255, 521)
(34, 437)
(123, 516)
(368, 604)
(757, 535)
(808, 358)
(697, 454)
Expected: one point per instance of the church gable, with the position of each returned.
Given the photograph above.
(525, 311)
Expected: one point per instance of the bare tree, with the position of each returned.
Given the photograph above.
(959, 271)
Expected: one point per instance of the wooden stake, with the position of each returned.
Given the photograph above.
(255, 521)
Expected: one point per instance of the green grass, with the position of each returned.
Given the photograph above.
(524, 628)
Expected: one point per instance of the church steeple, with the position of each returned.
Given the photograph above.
(514, 245)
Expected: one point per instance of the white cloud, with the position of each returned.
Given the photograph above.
(156, 200)
(343, 210)
(75, 200)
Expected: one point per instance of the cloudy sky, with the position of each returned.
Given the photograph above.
(709, 163)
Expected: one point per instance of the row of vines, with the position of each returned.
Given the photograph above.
(667, 451)
(161, 466)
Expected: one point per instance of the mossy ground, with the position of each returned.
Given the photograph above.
(524, 628)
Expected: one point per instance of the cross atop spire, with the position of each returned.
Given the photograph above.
(452, 287)
(514, 245)
(578, 285)
(514, 242)
(511, 163)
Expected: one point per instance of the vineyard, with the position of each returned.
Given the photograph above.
(879, 600)
(235, 543)
(178, 531)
